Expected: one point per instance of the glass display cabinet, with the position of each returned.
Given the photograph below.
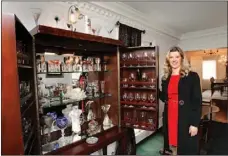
(77, 86)
(138, 87)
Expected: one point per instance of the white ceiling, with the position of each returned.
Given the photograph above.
(184, 17)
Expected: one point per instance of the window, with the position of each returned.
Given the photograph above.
(209, 69)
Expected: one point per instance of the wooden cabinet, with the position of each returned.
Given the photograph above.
(98, 63)
(137, 74)
(19, 118)
(138, 87)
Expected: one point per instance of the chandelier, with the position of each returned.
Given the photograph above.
(223, 60)
(210, 52)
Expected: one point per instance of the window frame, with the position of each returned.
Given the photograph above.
(213, 72)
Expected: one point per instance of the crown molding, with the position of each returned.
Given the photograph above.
(125, 14)
(205, 33)
(137, 18)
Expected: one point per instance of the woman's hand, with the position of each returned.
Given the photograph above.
(193, 130)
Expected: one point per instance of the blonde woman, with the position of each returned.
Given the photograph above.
(181, 93)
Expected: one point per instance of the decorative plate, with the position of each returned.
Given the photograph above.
(92, 140)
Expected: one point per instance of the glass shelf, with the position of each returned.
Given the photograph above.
(137, 83)
(151, 108)
(24, 66)
(140, 88)
(131, 124)
(134, 67)
(134, 61)
(69, 101)
(46, 148)
(73, 72)
(140, 103)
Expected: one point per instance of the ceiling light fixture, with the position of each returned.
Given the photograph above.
(223, 59)
(210, 52)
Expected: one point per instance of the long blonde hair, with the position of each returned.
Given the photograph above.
(185, 68)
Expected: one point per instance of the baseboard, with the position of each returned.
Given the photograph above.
(146, 135)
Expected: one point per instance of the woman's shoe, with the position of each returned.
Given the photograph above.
(165, 152)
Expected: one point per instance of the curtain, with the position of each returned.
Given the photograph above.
(131, 37)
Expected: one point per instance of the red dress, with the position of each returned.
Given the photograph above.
(173, 109)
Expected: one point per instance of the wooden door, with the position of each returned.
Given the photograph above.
(19, 115)
(11, 122)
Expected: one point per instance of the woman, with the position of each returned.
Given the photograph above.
(181, 93)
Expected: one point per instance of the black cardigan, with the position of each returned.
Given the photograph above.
(189, 111)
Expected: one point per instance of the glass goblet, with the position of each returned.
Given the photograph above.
(135, 118)
(48, 120)
(130, 96)
(132, 78)
(151, 97)
(125, 85)
(144, 97)
(130, 58)
(137, 97)
(142, 118)
(151, 123)
(144, 76)
(124, 58)
(62, 123)
(152, 81)
(138, 57)
(153, 55)
(124, 96)
(127, 117)
(145, 56)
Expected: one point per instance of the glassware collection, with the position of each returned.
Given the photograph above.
(139, 80)
(140, 59)
(70, 64)
(139, 97)
(77, 99)
(138, 88)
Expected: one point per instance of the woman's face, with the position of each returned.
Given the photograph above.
(175, 59)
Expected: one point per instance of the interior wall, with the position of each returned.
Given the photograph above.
(204, 39)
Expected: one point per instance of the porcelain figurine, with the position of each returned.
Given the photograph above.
(90, 115)
(76, 123)
(105, 109)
